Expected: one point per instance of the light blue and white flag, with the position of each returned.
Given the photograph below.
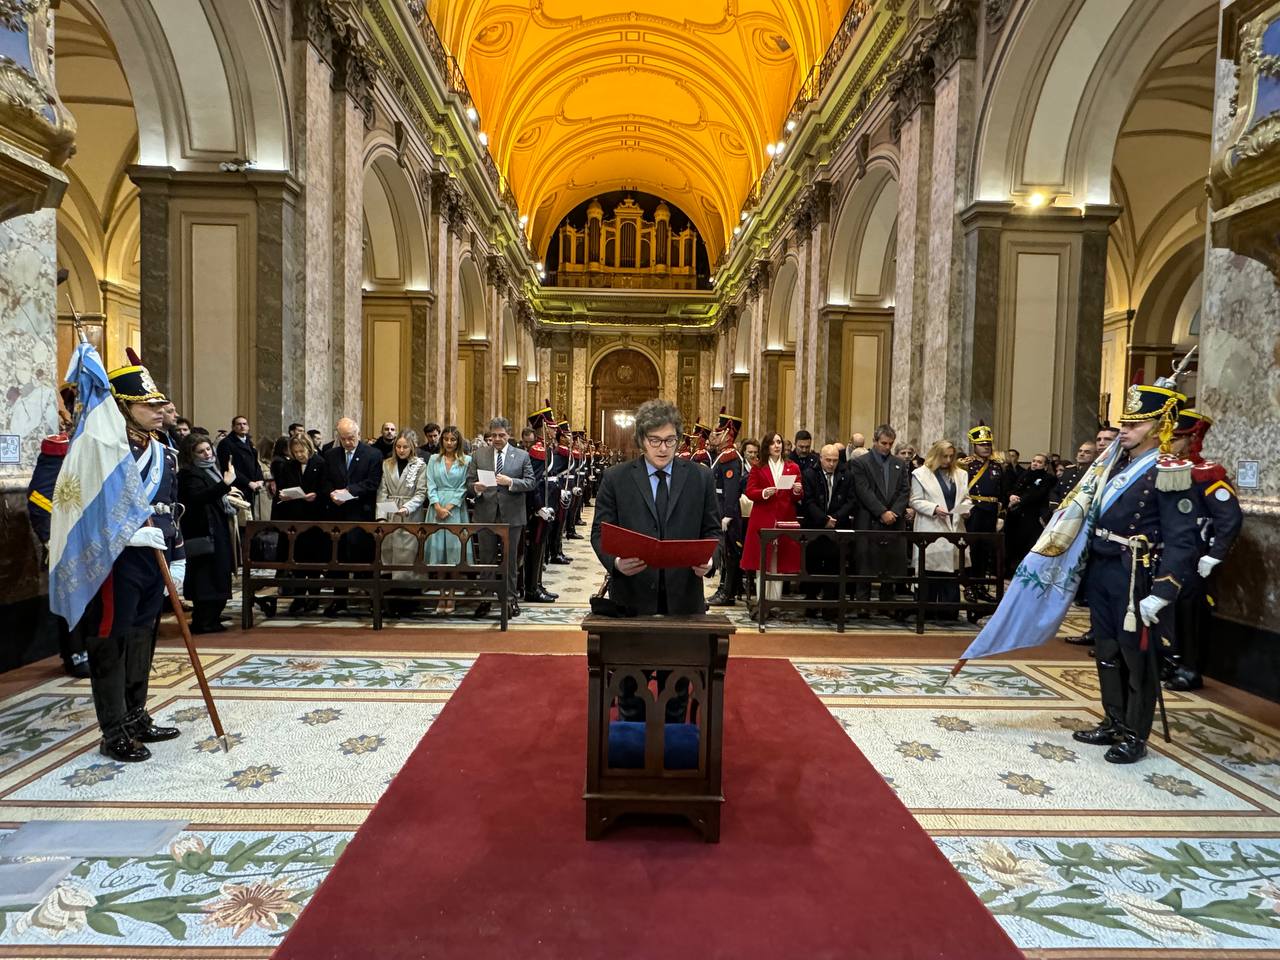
(1045, 583)
(100, 499)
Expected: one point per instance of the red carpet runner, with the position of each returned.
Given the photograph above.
(476, 850)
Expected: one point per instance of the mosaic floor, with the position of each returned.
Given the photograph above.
(1180, 853)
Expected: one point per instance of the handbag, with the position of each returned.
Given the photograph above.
(198, 546)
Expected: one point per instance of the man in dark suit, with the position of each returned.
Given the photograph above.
(505, 503)
(882, 487)
(349, 489)
(827, 505)
(662, 496)
(237, 449)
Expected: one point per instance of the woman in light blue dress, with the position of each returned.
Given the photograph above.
(446, 490)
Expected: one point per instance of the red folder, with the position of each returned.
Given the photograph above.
(659, 554)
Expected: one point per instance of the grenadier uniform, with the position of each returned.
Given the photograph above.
(1143, 549)
(702, 433)
(538, 528)
(70, 638)
(686, 446)
(730, 472)
(989, 491)
(1218, 521)
(120, 650)
(560, 465)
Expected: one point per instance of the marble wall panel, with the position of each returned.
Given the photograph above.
(28, 362)
(348, 260)
(911, 288)
(316, 273)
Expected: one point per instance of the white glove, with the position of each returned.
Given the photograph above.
(178, 570)
(1150, 607)
(147, 537)
(1205, 567)
(566, 498)
(546, 513)
(577, 491)
(724, 523)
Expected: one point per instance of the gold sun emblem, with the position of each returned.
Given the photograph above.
(1133, 400)
(67, 493)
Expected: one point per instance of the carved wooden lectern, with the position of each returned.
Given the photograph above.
(655, 707)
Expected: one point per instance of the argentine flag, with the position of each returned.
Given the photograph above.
(1044, 585)
(99, 501)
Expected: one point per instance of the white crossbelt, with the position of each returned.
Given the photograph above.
(1132, 542)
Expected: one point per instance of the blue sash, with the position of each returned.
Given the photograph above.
(1125, 479)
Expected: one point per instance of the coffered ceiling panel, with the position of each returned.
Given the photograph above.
(675, 97)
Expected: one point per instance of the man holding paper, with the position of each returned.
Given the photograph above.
(662, 496)
(500, 475)
(349, 488)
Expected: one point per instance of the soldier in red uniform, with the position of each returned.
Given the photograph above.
(541, 508)
(701, 433)
(1218, 521)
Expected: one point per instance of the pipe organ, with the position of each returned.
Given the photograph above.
(628, 251)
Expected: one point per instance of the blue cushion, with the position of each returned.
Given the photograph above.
(626, 745)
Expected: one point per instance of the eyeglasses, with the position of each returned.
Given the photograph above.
(667, 442)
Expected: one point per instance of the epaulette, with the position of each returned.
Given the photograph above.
(55, 445)
(538, 452)
(562, 451)
(1208, 471)
(965, 461)
(728, 455)
(1173, 473)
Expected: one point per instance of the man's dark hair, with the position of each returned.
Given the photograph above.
(200, 430)
(292, 426)
(239, 416)
(1015, 450)
(656, 413)
(803, 435)
(182, 420)
(431, 428)
(884, 430)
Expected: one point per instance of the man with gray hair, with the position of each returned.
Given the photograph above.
(349, 482)
(502, 503)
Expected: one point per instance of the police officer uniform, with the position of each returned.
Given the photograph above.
(989, 491)
(1218, 521)
(1142, 550)
(120, 651)
(730, 472)
(537, 530)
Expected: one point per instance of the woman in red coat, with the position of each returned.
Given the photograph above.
(770, 505)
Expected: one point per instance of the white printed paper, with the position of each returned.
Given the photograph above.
(292, 493)
(487, 478)
(342, 496)
(386, 508)
(786, 481)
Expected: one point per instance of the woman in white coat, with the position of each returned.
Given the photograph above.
(940, 498)
(402, 496)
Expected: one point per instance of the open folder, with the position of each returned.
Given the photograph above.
(659, 554)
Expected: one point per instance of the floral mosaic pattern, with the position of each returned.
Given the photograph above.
(32, 725)
(243, 888)
(1231, 744)
(395, 673)
(920, 680)
(1130, 893)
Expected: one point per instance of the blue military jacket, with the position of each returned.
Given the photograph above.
(166, 510)
(1167, 518)
(730, 472)
(1218, 512)
(988, 483)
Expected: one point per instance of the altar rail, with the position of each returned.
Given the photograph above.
(847, 577)
(328, 546)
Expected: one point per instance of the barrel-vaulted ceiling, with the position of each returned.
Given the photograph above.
(679, 98)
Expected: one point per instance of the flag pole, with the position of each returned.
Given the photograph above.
(191, 650)
(959, 665)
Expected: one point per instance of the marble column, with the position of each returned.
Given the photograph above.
(1239, 376)
(347, 239)
(581, 384)
(913, 93)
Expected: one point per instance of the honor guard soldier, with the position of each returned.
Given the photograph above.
(577, 477)
(53, 450)
(730, 472)
(560, 466)
(988, 489)
(121, 649)
(537, 530)
(702, 433)
(686, 446)
(1218, 519)
(1143, 549)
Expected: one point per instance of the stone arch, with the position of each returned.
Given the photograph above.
(1063, 84)
(1161, 318)
(640, 348)
(472, 317)
(395, 231)
(621, 379)
(863, 245)
(206, 80)
(781, 322)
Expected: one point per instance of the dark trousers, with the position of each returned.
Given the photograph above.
(822, 557)
(490, 552)
(731, 559)
(535, 543)
(877, 559)
(1127, 673)
(354, 546)
(120, 663)
(982, 556)
(205, 614)
(1182, 625)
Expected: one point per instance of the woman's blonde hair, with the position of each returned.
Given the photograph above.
(933, 459)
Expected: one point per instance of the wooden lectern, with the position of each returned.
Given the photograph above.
(651, 765)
